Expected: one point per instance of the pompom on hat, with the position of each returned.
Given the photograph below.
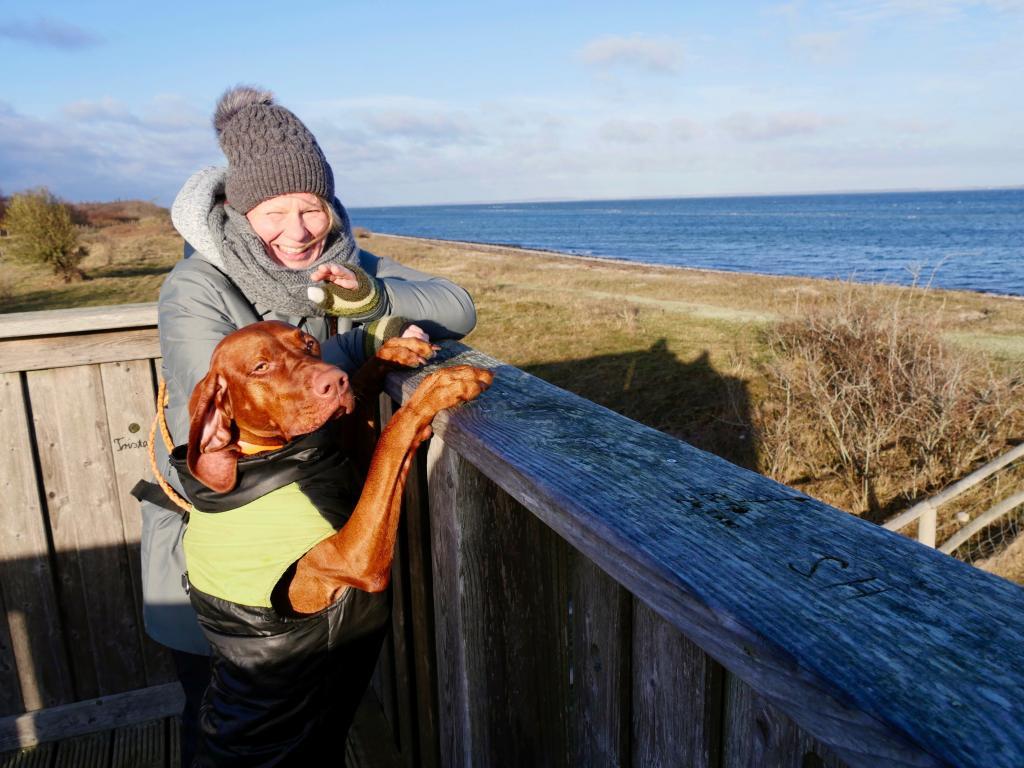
(270, 152)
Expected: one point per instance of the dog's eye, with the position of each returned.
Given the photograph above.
(311, 346)
(261, 367)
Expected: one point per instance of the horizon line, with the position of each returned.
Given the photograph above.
(637, 198)
(724, 195)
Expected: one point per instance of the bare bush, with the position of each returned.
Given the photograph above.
(42, 231)
(866, 390)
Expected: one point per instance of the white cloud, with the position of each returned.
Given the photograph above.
(684, 129)
(746, 126)
(658, 55)
(102, 110)
(821, 47)
(629, 131)
(96, 151)
(435, 128)
(914, 127)
(879, 10)
(50, 33)
(165, 113)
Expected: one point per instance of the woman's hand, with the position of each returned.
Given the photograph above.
(339, 276)
(415, 332)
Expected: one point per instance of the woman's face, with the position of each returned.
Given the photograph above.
(290, 227)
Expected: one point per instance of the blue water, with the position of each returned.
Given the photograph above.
(970, 240)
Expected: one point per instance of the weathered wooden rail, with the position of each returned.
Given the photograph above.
(925, 513)
(572, 588)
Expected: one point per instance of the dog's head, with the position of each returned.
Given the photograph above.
(266, 385)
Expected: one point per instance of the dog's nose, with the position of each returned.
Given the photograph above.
(328, 383)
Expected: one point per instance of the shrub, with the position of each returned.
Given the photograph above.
(42, 232)
(867, 390)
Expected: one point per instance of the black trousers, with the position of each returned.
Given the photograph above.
(194, 675)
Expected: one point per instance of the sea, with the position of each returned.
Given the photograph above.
(971, 240)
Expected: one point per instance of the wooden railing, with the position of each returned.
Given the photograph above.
(925, 513)
(572, 588)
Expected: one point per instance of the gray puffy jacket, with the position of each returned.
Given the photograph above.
(199, 305)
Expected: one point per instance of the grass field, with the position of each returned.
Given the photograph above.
(680, 350)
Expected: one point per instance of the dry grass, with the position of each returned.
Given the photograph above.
(126, 264)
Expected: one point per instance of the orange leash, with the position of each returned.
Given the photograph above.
(161, 419)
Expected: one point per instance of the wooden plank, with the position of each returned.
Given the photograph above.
(404, 678)
(948, 494)
(10, 687)
(599, 628)
(84, 717)
(174, 738)
(677, 697)
(94, 581)
(421, 613)
(512, 697)
(404, 708)
(887, 651)
(369, 742)
(449, 485)
(140, 746)
(129, 396)
(92, 751)
(41, 756)
(756, 734)
(82, 349)
(383, 681)
(57, 322)
(27, 583)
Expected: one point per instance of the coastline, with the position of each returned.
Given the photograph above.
(510, 249)
(725, 307)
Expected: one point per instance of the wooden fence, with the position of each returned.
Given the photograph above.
(925, 513)
(572, 588)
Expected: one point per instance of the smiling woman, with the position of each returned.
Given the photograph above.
(261, 236)
(293, 228)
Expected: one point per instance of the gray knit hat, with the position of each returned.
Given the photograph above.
(270, 152)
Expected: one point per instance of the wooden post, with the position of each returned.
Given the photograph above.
(502, 666)
(677, 696)
(926, 526)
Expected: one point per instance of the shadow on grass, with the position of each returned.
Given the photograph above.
(688, 399)
(136, 270)
(91, 293)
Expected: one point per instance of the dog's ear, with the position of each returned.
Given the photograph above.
(212, 447)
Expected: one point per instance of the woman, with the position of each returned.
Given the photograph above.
(258, 235)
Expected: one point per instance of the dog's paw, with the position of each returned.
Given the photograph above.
(451, 386)
(407, 353)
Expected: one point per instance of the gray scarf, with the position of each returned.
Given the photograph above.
(264, 281)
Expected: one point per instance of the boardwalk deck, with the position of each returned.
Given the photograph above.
(154, 744)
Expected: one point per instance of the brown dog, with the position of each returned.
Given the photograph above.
(288, 669)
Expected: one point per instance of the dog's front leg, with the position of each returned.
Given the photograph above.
(360, 554)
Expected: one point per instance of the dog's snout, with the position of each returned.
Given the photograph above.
(328, 383)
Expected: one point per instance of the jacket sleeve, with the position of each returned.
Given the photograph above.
(440, 307)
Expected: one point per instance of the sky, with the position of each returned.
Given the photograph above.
(449, 102)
